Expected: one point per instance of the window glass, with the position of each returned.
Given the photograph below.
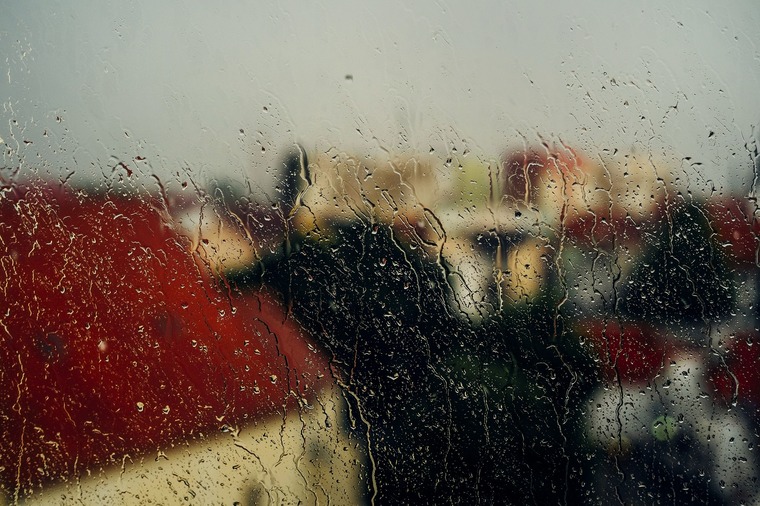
(274, 253)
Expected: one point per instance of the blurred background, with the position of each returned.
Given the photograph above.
(517, 243)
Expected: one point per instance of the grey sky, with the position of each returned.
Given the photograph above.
(176, 82)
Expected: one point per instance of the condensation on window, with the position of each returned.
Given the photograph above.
(393, 254)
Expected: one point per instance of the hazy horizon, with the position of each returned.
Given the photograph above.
(222, 91)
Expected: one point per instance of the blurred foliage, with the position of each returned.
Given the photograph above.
(454, 411)
(683, 277)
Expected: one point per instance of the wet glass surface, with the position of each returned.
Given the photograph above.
(401, 254)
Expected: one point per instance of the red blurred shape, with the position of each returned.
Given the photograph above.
(115, 340)
(527, 171)
(630, 352)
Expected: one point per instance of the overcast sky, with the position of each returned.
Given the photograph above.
(220, 88)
